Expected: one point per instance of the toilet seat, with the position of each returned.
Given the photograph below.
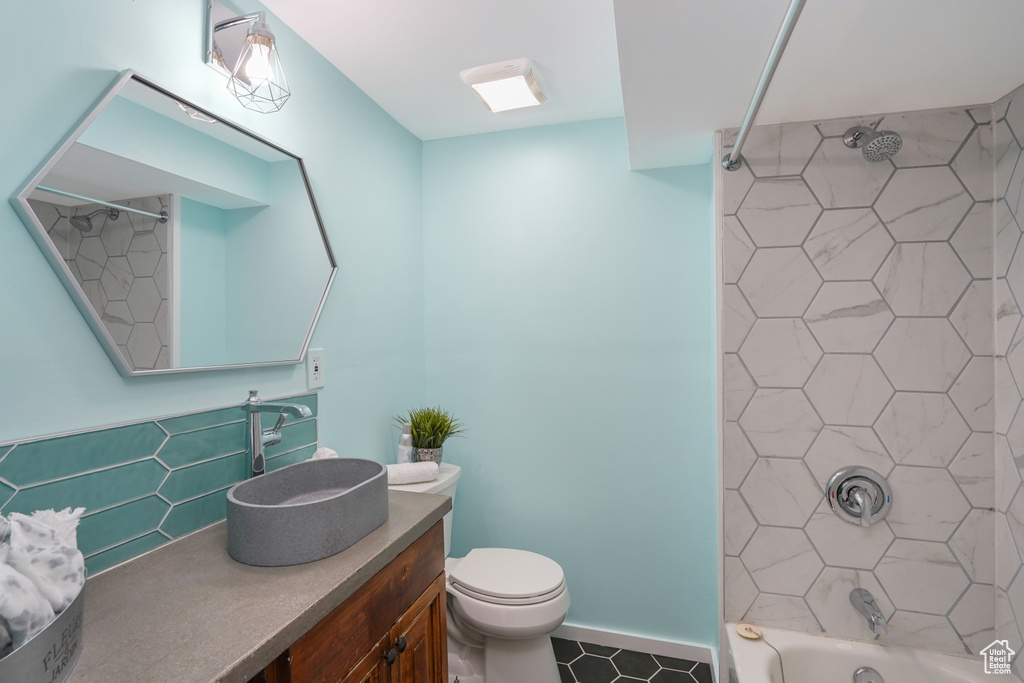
(503, 576)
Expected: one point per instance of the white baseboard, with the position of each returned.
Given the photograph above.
(625, 641)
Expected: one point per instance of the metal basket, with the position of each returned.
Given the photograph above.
(50, 655)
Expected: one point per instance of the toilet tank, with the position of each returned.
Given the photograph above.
(445, 485)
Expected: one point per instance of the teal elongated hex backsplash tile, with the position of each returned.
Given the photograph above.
(195, 480)
(37, 461)
(123, 552)
(93, 491)
(290, 458)
(110, 527)
(292, 436)
(120, 475)
(212, 418)
(196, 513)
(6, 493)
(204, 444)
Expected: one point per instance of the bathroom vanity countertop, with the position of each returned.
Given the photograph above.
(188, 612)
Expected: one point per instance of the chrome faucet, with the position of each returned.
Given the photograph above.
(257, 438)
(865, 603)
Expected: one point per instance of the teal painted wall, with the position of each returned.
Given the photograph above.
(203, 254)
(528, 278)
(570, 322)
(365, 170)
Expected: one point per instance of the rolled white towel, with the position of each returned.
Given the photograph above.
(324, 453)
(412, 472)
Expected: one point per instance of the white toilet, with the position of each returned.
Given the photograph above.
(502, 606)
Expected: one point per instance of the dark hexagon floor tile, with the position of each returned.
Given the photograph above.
(593, 669)
(702, 673)
(565, 674)
(627, 679)
(565, 650)
(635, 664)
(602, 650)
(675, 664)
(670, 676)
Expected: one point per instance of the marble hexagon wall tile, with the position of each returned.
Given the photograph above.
(974, 617)
(860, 301)
(781, 561)
(848, 244)
(829, 599)
(779, 212)
(848, 389)
(922, 576)
(780, 352)
(848, 317)
(923, 204)
(930, 138)
(922, 279)
(839, 176)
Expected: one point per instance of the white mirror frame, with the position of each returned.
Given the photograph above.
(60, 267)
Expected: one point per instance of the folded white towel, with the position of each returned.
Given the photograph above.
(324, 453)
(412, 472)
(41, 554)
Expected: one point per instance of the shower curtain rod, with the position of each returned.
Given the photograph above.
(162, 215)
(731, 161)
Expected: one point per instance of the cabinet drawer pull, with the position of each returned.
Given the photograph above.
(391, 656)
(401, 644)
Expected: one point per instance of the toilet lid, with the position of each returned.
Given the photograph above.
(502, 574)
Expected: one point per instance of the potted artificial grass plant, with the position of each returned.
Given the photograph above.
(431, 427)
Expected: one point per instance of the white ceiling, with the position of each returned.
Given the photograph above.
(688, 67)
(407, 55)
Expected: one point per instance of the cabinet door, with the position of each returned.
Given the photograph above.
(422, 637)
(371, 669)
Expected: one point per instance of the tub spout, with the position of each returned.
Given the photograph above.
(865, 603)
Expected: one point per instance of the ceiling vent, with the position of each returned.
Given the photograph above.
(507, 85)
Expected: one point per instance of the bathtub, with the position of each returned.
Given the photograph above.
(809, 658)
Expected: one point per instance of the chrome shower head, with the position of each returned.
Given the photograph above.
(84, 223)
(879, 145)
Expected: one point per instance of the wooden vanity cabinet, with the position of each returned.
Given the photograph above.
(391, 630)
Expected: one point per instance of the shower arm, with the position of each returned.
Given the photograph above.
(162, 216)
(731, 161)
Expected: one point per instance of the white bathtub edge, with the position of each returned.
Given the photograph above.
(751, 658)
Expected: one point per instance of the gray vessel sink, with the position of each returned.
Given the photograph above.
(305, 512)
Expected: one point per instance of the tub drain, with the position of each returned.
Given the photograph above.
(866, 674)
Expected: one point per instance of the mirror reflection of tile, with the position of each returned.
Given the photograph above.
(121, 265)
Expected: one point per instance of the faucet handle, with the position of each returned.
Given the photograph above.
(859, 495)
(865, 501)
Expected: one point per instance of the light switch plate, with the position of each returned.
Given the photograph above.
(315, 369)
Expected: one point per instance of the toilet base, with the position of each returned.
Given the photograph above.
(465, 663)
(515, 661)
(502, 660)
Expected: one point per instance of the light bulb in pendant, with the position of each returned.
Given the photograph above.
(257, 68)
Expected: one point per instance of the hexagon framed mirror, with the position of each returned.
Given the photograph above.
(187, 242)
